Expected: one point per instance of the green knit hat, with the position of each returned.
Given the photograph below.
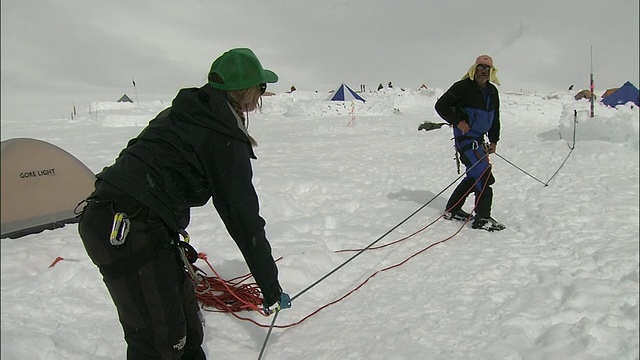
(240, 69)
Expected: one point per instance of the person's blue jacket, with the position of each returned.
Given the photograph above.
(480, 108)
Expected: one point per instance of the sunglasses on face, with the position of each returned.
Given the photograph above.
(482, 67)
(263, 88)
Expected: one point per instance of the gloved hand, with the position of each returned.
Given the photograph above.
(283, 303)
(492, 148)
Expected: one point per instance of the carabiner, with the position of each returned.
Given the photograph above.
(119, 229)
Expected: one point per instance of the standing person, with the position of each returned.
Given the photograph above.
(197, 149)
(472, 106)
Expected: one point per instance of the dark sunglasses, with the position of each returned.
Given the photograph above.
(263, 88)
(483, 66)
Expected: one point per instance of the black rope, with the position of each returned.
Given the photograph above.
(264, 345)
(571, 147)
(266, 339)
(516, 166)
(386, 233)
(561, 165)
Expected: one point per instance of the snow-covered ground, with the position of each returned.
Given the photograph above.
(561, 282)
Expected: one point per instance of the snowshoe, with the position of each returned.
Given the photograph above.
(459, 215)
(488, 224)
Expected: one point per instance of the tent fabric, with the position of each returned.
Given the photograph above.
(42, 185)
(125, 98)
(609, 92)
(344, 93)
(626, 93)
(583, 94)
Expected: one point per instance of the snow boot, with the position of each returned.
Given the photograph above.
(488, 223)
(459, 214)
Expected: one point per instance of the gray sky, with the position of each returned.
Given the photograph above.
(59, 53)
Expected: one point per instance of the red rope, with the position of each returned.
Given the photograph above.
(57, 260)
(210, 300)
(219, 295)
(434, 221)
(233, 296)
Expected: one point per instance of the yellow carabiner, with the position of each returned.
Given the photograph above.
(119, 229)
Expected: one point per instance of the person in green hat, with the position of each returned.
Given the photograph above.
(131, 226)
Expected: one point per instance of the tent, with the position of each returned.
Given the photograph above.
(41, 187)
(344, 93)
(584, 94)
(609, 92)
(125, 98)
(623, 95)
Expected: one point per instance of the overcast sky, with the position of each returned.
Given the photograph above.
(57, 54)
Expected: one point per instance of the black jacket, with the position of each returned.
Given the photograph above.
(191, 152)
(465, 101)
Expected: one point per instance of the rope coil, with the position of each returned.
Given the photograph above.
(228, 296)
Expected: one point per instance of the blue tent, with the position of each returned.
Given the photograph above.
(344, 93)
(623, 95)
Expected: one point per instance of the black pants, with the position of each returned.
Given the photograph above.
(146, 279)
(482, 189)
